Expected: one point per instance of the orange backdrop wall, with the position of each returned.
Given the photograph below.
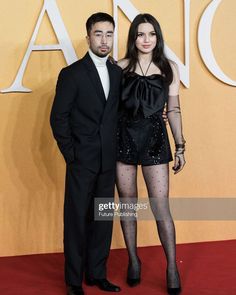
(31, 168)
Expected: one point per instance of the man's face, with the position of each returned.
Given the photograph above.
(100, 39)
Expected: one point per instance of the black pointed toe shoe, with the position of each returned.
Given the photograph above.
(134, 279)
(132, 282)
(176, 290)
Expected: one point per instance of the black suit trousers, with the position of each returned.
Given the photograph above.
(86, 241)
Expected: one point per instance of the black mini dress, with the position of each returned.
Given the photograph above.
(141, 132)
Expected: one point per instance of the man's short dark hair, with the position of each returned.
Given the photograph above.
(98, 17)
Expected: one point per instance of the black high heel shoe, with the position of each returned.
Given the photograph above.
(131, 280)
(175, 290)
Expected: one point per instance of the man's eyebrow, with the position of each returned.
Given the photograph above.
(99, 31)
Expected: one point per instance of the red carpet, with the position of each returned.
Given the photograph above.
(205, 268)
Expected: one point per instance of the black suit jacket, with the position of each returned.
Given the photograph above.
(82, 120)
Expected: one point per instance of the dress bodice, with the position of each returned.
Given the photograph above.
(147, 94)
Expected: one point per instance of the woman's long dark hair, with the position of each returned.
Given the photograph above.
(158, 57)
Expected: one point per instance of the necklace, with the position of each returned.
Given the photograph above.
(142, 69)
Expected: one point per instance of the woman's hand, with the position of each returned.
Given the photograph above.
(179, 163)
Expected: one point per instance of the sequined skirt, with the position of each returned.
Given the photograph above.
(143, 141)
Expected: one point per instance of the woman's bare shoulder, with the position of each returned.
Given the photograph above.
(173, 65)
(123, 63)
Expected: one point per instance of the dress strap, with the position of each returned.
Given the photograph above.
(142, 69)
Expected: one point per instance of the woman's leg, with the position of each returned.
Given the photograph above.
(126, 182)
(157, 182)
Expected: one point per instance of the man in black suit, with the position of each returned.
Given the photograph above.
(83, 120)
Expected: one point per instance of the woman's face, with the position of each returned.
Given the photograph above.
(146, 38)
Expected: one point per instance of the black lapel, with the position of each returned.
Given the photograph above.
(112, 76)
(113, 80)
(94, 76)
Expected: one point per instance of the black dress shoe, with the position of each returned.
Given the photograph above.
(132, 280)
(102, 284)
(74, 290)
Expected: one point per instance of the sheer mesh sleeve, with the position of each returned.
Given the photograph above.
(173, 107)
(174, 118)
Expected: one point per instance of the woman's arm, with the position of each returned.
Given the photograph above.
(174, 118)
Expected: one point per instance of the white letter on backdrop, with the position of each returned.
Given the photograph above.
(65, 45)
(204, 43)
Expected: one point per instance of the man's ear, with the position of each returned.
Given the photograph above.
(88, 40)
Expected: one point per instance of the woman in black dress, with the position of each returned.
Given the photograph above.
(150, 83)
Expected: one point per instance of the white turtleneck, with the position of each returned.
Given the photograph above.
(100, 63)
